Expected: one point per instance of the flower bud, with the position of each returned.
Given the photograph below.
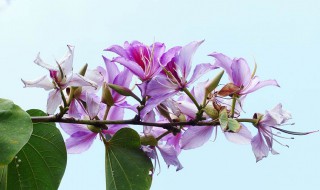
(214, 82)
(211, 111)
(163, 110)
(106, 95)
(93, 128)
(124, 91)
(83, 70)
(148, 140)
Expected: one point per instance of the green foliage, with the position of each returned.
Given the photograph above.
(41, 162)
(127, 166)
(15, 130)
(223, 119)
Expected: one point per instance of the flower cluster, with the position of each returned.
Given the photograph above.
(188, 117)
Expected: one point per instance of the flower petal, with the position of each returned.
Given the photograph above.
(259, 148)
(132, 66)
(256, 84)
(118, 50)
(54, 100)
(111, 70)
(242, 137)
(188, 108)
(78, 80)
(196, 136)
(80, 142)
(71, 128)
(93, 105)
(43, 82)
(241, 75)
(67, 61)
(41, 63)
(200, 70)
(75, 109)
(167, 57)
(149, 117)
(224, 62)
(170, 156)
(185, 56)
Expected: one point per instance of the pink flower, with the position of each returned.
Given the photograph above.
(240, 75)
(262, 143)
(174, 79)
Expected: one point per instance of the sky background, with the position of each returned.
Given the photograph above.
(282, 36)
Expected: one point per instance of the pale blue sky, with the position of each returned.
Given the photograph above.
(283, 36)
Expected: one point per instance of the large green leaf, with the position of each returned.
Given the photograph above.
(15, 130)
(3, 177)
(127, 166)
(41, 163)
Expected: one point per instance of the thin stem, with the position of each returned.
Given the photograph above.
(253, 121)
(192, 98)
(233, 105)
(163, 135)
(106, 113)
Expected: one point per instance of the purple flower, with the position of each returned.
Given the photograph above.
(61, 78)
(240, 75)
(262, 143)
(168, 146)
(174, 78)
(141, 60)
(82, 136)
(196, 136)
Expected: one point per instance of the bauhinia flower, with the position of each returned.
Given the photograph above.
(240, 75)
(140, 59)
(174, 77)
(262, 143)
(61, 78)
(82, 136)
(196, 136)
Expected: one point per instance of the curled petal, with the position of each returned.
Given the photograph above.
(170, 156)
(41, 63)
(42, 82)
(196, 136)
(54, 100)
(167, 57)
(200, 70)
(67, 61)
(149, 117)
(256, 84)
(78, 80)
(259, 148)
(118, 50)
(223, 61)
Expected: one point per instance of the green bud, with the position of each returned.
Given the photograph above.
(211, 111)
(148, 140)
(164, 111)
(83, 70)
(124, 91)
(106, 95)
(214, 82)
(93, 128)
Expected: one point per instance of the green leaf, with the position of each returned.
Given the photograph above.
(127, 166)
(223, 119)
(41, 162)
(15, 130)
(233, 125)
(3, 177)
